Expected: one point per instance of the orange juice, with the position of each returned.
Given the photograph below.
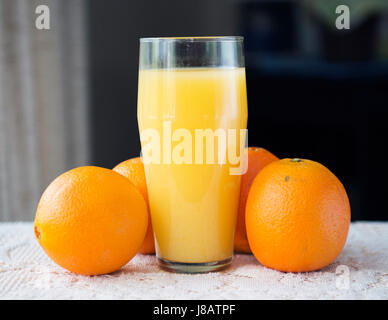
(193, 205)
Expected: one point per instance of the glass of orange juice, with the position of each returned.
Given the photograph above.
(192, 115)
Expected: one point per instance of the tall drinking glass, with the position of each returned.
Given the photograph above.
(192, 115)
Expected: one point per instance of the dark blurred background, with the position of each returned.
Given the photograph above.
(314, 91)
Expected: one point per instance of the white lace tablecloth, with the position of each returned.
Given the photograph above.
(360, 272)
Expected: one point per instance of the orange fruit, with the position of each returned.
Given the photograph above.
(297, 216)
(258, 158)
(133, 169)
(91, 220)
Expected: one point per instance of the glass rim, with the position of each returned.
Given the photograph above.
(194, 39)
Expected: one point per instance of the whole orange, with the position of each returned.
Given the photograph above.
(297, 216)
(258, 158)
(91, 220)
(133, 169)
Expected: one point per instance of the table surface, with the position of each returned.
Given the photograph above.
(360, 272)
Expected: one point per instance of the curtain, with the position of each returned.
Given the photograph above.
(44, 128)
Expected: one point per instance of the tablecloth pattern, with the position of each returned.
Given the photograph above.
(360, 272)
